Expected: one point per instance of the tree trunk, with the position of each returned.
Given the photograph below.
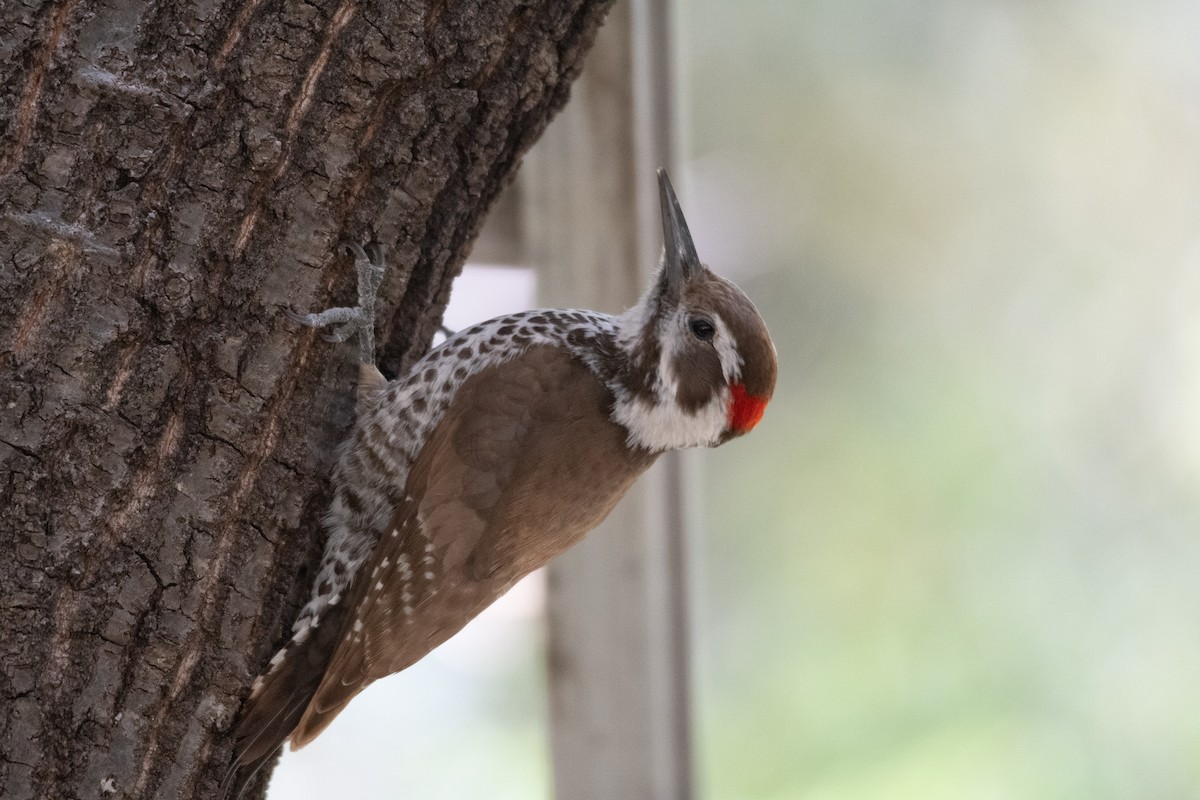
(173, 176)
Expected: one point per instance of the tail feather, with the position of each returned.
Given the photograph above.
(276, 706)
(248, 764)
(321, 710)
(344, 677)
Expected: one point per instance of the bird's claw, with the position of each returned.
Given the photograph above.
(339, 335)
(370, 264)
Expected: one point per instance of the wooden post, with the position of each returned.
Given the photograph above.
(618, 646)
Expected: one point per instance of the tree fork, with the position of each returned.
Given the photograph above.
(172, 177)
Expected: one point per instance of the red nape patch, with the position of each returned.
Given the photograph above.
(745, 410)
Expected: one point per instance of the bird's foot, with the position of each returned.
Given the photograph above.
(370, 264)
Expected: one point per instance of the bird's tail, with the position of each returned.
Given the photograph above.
(279, 698)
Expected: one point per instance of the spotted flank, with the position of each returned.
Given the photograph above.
(497, 451)
(374, 463)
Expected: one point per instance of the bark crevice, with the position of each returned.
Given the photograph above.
(172, 177)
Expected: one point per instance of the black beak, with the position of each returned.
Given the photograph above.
(681, 261)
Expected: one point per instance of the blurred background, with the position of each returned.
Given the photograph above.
(959, 558)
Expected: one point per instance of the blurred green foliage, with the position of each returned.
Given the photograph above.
(959, 559)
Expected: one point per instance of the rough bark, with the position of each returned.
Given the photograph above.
(172, 176)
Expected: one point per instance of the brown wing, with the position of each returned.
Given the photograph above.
(522, 464)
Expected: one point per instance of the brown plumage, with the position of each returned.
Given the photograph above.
(496, 452)
(496, 492)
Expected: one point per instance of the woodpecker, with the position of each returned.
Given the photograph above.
(496, 452)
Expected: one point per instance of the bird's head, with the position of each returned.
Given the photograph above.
(702, 365)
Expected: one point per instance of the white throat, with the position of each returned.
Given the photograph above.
(663, 425)
(660, 424)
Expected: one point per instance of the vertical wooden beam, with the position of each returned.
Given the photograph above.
(617, 612)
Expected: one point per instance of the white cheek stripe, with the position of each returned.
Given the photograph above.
(667, 383)
(727, 351)
(723, 342)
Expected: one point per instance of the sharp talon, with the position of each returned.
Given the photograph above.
(338, 334)
(374, 254)
(297, 317)
(355, 249)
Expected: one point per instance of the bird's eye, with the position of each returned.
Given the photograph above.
(702, 329)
